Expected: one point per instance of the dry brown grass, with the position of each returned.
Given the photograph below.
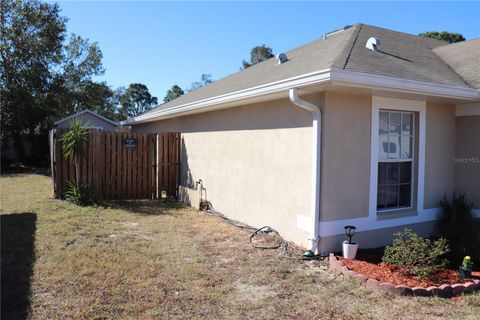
(154, 260)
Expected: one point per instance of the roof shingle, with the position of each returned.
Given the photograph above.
(464, 59)
(400, 55)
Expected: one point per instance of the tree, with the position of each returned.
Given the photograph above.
(100, 98)
(449, 37)
(43, 76)
(204, 80)
(173, 93)
(258, 54)
(136, 100)
(81, 61)
(31, 46)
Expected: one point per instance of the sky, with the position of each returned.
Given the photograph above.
(161, 44)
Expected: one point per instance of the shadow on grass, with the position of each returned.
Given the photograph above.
(18, 256)
(10, 171)
(145, 207)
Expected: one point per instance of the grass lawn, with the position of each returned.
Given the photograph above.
(154, 260)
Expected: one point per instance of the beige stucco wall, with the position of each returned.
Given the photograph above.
(345, 156)
(439, 153)
(255, 161)
(467, 158)
(92, 121)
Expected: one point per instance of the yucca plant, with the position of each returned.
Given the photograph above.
(73, 146)
(73, 143)
(76, 194)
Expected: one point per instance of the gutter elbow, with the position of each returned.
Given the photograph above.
(295, 99)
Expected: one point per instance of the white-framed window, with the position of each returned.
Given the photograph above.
(395, 159)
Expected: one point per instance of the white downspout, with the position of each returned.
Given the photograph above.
(316, 158)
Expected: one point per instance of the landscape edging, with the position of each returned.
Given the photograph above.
(444, 290)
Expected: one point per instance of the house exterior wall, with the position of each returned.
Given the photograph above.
(92, 121)
(467, 158)
(254, 161)
(345, 170)
(439, 153)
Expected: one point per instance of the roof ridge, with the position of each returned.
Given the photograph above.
(353, 45)
(456, 43)
(322, 39)
(450, 45)
(424, 39)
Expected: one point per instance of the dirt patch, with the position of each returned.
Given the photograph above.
(389, 273)
(130, 224)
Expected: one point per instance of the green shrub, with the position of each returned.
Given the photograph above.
(416, 255)
(75, 194)
(462, 230)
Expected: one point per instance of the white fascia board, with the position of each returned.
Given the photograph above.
(368, 80)
(334, 76)
(317, 77)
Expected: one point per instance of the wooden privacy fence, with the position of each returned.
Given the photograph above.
(120, 165)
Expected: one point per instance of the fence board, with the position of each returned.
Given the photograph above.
(148, 169)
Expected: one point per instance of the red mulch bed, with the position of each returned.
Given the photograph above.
(369, 263)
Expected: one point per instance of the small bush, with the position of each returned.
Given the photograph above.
(416, 255)
(462, 230)
(76, 195)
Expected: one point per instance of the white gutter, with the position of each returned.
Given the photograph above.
(379, 82)
(316, 161)
(316, 77)
(331, 76)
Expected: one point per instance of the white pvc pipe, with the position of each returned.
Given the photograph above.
(316, 158)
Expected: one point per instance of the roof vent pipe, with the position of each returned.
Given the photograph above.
(373, 44)
(282, 58)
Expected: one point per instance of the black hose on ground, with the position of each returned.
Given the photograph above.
(207, 207)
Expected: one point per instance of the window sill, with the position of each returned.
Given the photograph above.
(396, 213)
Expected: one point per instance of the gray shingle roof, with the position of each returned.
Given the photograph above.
(400, 55)
(464, 59)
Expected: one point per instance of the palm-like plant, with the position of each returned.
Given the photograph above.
(73, 142)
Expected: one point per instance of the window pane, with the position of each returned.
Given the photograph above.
(395, 120)
(382, 173)
(383, 126)
(392, 173)
(381, 197)
(394, 147)
(383, 147)
(406, 147)
(407, 123)
(392, 196)
(405, 172)
(394, 180)
(404, 196)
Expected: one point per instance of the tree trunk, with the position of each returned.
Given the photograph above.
(77, 170)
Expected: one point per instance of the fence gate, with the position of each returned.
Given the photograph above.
(120, 165)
